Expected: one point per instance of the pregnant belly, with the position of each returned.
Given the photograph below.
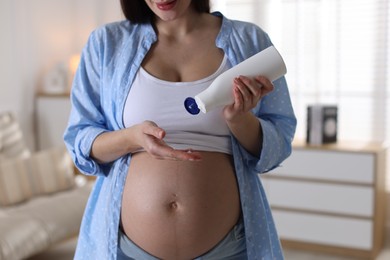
(179, 210)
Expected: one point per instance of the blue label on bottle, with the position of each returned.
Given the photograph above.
(191, 106)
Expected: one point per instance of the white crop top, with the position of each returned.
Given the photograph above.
(162, 102)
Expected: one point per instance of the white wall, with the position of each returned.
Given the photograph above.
(35, 36)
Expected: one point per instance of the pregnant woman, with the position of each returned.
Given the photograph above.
(172, 185)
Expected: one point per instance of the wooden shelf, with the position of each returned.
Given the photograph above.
(331, 198)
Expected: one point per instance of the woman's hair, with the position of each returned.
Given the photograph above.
(138, 11)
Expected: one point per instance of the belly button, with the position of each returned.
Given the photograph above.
(173, 205)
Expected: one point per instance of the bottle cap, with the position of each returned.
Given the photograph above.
(191, 106)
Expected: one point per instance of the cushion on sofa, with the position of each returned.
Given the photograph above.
(21, 236)
(31, 227)
(60, 213)
(12, 143)
(44, 172)
(41, 200)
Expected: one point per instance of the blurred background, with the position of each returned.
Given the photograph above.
(337, 54)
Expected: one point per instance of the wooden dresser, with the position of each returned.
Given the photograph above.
(331, 198)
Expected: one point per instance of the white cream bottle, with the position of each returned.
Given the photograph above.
(268, 63)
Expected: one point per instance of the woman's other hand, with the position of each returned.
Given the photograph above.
(151, 139)
(147, 136)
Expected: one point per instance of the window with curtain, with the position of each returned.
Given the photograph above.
(336, 51)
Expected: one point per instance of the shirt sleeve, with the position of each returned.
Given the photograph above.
(278, 122)
(86, 120)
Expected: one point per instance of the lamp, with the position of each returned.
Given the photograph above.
(73, 64)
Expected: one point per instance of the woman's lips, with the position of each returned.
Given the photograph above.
(165, 6)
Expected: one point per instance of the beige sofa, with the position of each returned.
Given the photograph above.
(41, 198)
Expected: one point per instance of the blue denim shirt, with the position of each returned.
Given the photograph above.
(109, 62)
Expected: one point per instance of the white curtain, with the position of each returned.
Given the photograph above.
(337, 52)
